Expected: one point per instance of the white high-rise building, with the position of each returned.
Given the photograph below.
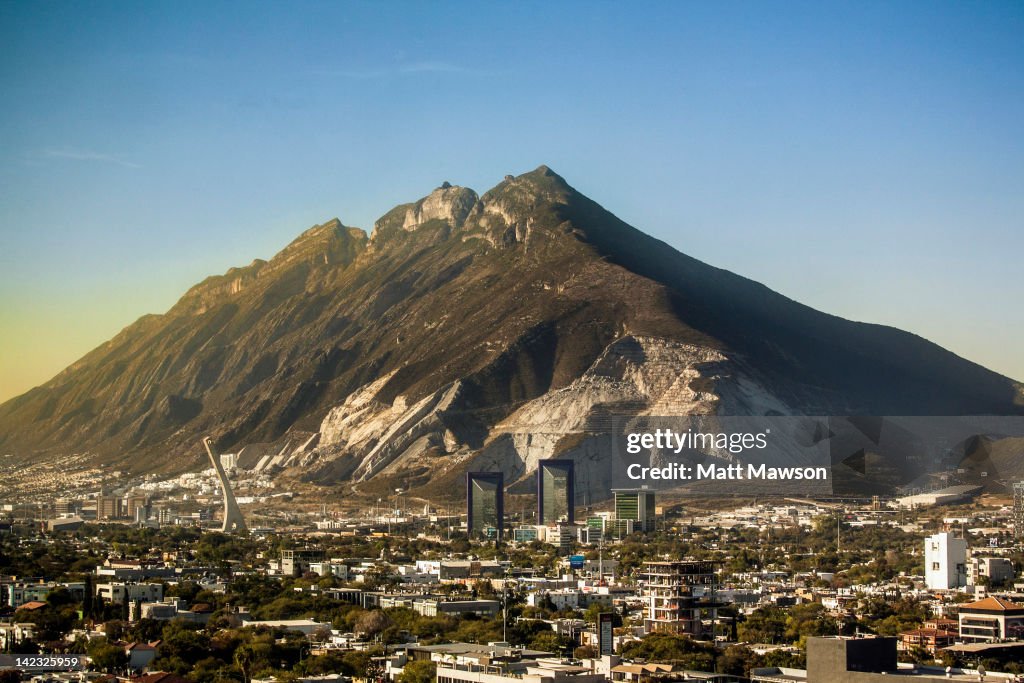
(945, 561)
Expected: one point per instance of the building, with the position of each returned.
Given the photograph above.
(559, 599)
(485, 504)
(171, 608)
(490, 663)
(114, 592)
(65, 507)
(64, 524)
(680, 597)
(140, 655)
(109, 507)
(336, 569)
(298, 562)
(513, 668)
(988, 571)
(990, 620)
(588, 535)
(18, 593)
(637, 506)
(948, 496)
(928, 639)
(306, 627)
(556, 494)
(871, 660)
(433, 605)
(945, 561)
(133, 504)
(463, 571)
(605, 526)
(562, 536)
(655, 672)
(13, 634)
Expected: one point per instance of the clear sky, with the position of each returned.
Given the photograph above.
(864, 158)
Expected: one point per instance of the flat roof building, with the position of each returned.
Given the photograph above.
(637, 506)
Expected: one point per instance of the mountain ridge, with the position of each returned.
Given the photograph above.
(473, 307)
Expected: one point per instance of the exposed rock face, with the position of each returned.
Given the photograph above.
(447, 203)
(471, 332)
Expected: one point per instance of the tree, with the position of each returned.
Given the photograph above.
(809, 620)
(59, 597)
(419, 671)
(764, 625)
(244, 658)
(107, 656)
(667, 647)
(88, 601)
(51, 623)
(372, 623)
(548, 641)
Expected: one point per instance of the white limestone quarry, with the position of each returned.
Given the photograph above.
(634, 375)
(378, 432)
(361, 417)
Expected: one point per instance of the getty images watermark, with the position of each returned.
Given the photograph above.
(808, 456)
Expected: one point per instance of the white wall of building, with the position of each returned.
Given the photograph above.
(945, 561)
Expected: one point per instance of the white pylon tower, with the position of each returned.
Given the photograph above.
(233, 520)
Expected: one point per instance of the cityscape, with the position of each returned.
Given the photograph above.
(145, 580)
(511, 342)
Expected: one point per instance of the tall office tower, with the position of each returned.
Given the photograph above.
(485, 504)
(65, 507)
(109, 507)
(132, 504)
(680, 597)
(1018, 509)
(555, 492)
(636, 505)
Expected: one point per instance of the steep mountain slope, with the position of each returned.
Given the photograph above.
(471, 329)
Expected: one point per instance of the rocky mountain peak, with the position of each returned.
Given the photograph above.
(331, 240)
(328, 244)
(448, 203)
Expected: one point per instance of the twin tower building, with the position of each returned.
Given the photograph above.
(485, 498)
(634, 509)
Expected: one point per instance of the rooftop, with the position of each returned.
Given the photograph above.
(993, 603)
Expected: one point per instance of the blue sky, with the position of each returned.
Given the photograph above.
(864, 158)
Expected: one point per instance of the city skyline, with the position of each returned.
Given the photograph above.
(862, 159)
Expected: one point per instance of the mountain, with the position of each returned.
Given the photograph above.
(471, 331)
